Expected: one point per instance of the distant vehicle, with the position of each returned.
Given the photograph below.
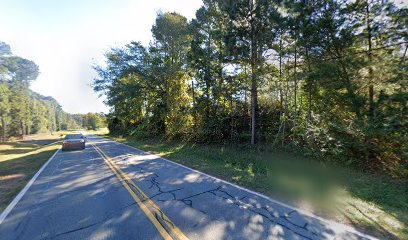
(73, 141)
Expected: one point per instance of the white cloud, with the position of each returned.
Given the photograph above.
(65, 40)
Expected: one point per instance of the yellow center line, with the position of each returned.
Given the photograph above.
(150, 209)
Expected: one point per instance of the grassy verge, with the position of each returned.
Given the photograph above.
(377, 205)
(20, 160)
(100, 131)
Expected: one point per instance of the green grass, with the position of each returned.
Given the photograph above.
(20, 160)
(374, 204)
(100, 131)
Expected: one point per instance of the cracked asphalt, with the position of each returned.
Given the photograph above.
(77, 196)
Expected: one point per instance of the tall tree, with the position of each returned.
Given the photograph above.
(208, 63)
(309, 62)
(249, 32)
(170, 46)
(4, 108)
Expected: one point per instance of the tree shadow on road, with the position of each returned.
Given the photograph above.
(375, 204)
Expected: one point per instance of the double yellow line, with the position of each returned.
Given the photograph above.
(166, 228)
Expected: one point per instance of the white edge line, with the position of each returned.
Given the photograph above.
(25, 189)
(304, 212)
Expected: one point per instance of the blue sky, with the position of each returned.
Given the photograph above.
(66, 37)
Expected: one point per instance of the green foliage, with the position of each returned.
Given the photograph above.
(94, 121)
(327, 78)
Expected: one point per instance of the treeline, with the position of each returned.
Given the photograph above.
(327, 78)
(23, 111)
(92, 121)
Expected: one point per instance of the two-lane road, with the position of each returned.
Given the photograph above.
(113, 191)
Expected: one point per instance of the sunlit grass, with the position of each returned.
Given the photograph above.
(30, 145)
(100, 131)
(375, 204)
(371, 217)
(15, 151)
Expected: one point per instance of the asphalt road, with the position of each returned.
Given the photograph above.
(113, 191)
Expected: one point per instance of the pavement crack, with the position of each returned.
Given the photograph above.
(78, 229)
(107, 217)
(161, 192)
(201, 193)
(281, 220)
(291, 212)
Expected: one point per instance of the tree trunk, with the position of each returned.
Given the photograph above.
(147, 105)
(231, 100)
(254, 104)
(3, 129)
(280, 79)
(207, 79)
(246, 108)
(254, 87)
(370, 69)
(309, 110)
(295, 100)
(403, 56)
(287, 98)
(192, 91)
(22, 129)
